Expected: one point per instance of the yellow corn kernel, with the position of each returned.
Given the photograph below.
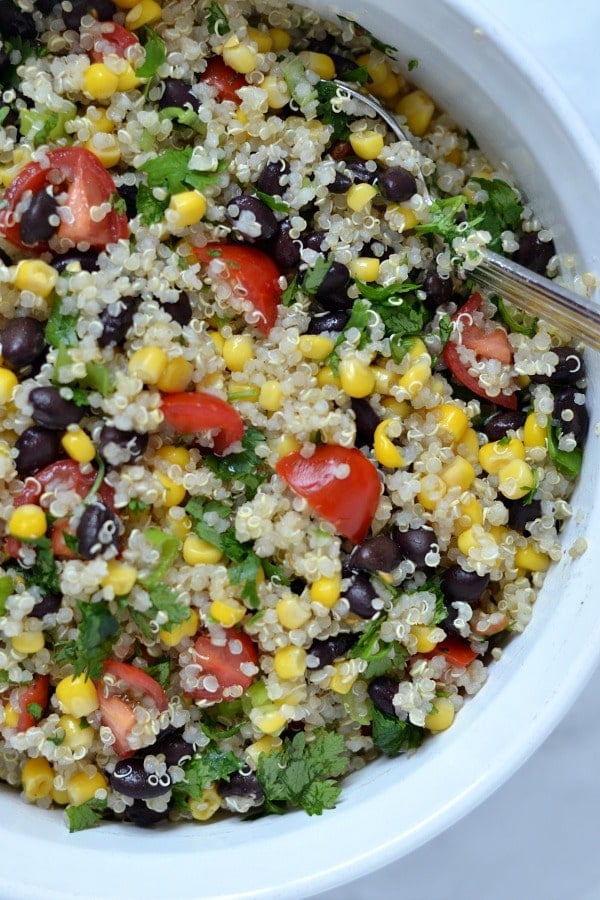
(320, 63)
(77, 696)
(459, 473)
(292, 613)
(11, 716)
(36, 276)
(342, 682)
(143, 13)
(384, 380)
(326, 591)
(268, 719)
(388, 88)
(28, 522)
(120, 577)
(174, 636)
(455, 156)
(473, 510)
(531, 559)
(417, 349)
(365, 268)
(399, 408)
(452, 420)
(197, 552)
(28, 642)
(534, 434)
(180, 526)
(423, 635)
(238, 350)
(408, 215)
(148, 364)
(178, 456)
(384, 449)
(217, 339)
(284, 445)
(515, 479)
(499, 533)
(77, 733)
(280, 39)
(240, 57)
(432, 490)
(8, 383)
(176, 376)
(37, 778)
(241, 116)
(416, 377)
(442, 715)
(227, 612)
(377, 68)
(290, 662)
(276, 90)
(468, 446)
(326, 375)
(100, 82)
(315, 346)
(262, 39)
(83, 787)
(418, 108)
(472, 538)
(494, 455)
(205, 808)
(60, 797)
(99, 123)
(367, 144)
(78, 445)
(356, 378)
(174, 493)
(271, 396)
(264, 745)
(360, 195)
(186, 208)
(105, 148)
(128, 80)
(21, 156)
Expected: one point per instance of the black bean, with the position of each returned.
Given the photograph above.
(381, 691)
(129, 193)
(97, 530)
(496, 427)
(533, 253)
(75, 10)
(415, 544)
(367, 421)
(571, 413)
(35, 220)
(22, 340)
(140, 814)
(181, 310)
(50, 410)
(131, 779)
(460, 585)
(49, 603)
(16, 22)
(285, 250)
(313, 240)
(340, 184)
(395, 183)
(569, 369)
(242, 784)
(360, 594)
(360, 172)
(118, 447)
(331, 321)
(331, 293)
(328, 649)
(178, 93)
(262, 225)
(377, 554)
(438, 290)
(273, 177)
(297, 586)
(175, 749)
(87, 260)
(37, 448)
(116, 324)
(522, 513)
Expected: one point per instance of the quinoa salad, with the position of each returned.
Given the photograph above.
(276, 484)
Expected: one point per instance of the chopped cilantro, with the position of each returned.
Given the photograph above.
(161, 671)
(289, 295)
(6, 589)
(393, 736)
(515, 320)
(118, 203)
(168, 548)
(150, 209)
(360, 317)
(500, 212)
(568, 462)
(98, 632)
(360, 75)
(171, 171)
(137, 506)
(445, 328)
(412, 64)
(202, 769)
(71, 542)
(301, 774)
(381, 657)
(527, 500)
(183, 116)
(313, 278)
(245, 467)
(86, 815)
(163, 599)
(35, 711)
(272, 202)
(166, 600)
(8, 74)
(402, 313)
(61, 328)
(98, 377)
(44, 572)
(328, 113)
(216, 19)
(4, 111)
(216, 732)
(442, 218)
(155, 54)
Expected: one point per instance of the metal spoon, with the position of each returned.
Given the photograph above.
(527, 290)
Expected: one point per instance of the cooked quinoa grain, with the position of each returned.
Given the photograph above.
(276, 487)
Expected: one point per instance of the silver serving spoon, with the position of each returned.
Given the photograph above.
(527, 290)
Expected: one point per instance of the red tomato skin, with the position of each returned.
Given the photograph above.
(225, 79)
(137, 680)
(221, 662)
(36, 692)
(116, 709)
(493, 345)
(190, 411)
(115, 38)
(120, 718)
(251, 271)
(88, 184)
(455, 650)
(348, 503)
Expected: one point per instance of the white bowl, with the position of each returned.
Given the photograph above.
(490, 85)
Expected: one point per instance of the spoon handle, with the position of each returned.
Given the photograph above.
(540, 297)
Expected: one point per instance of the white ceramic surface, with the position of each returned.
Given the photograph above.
(393, 807)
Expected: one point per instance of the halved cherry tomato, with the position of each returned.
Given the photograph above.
(224, 663)
(109, 37)
(349, 502)
(251, 275)
(489, 344)
(225, 79)
(126, 687)
(190, 411)
(35, 693)
(456, 650)
(87, 185)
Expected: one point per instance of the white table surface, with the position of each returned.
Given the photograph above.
(536, 838)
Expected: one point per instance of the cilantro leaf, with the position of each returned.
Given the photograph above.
(183, 116)
(86, 815)
(393, 736)
(328, 114)
(382, 657)
(6, 589)
(149, 208)
(404, 316)
(442, 218)
(568, 462)
(166, 600)
(169, 169)
(35, 711)
(216, 19)
(246, 466)
(500, 212)
(137, 506)
(44, 572)
(272, 202)
(202, 769)
(289, 295)
(161, 671)
(61, 328)
(313, 278)
(360, 317)
(98, 632)
(155, 54)
(168, 548)
(8, 74)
